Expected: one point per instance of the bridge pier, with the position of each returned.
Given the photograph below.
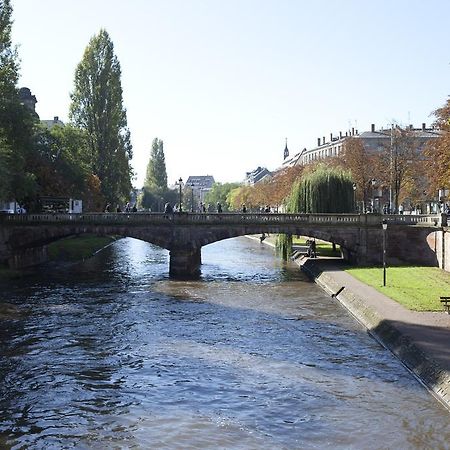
(185, 263)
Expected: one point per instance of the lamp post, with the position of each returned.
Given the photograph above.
(384, 225)
(442, 197)
(355, 205)
(180, 185)
(192, 197)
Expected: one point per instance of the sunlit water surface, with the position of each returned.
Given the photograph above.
(111, 354)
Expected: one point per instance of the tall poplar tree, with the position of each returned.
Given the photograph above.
(97, 107)
(156, 176)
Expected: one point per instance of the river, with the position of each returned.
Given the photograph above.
(111, 354)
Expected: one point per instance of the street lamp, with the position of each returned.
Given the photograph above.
(192, 197)
(355, 206)
(180, 184)
(384, 225)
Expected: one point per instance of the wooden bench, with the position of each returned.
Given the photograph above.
(446, 303)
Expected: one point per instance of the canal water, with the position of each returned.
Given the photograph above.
(111, 354)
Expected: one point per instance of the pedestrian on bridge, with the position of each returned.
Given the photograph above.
(168, 208)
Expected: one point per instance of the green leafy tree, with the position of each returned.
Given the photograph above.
(60, 164)
(97, 107)
(156, 176)
(16, 121)
(324, 190)
(219, 193)
(155, 192)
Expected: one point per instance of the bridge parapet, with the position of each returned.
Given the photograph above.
(371, 220)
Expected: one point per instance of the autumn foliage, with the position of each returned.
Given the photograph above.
(437, 152)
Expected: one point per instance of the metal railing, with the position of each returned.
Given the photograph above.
(184, 218)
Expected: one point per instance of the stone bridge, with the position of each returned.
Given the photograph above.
(409, 237)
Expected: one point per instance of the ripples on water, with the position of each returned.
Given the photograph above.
(111, 354)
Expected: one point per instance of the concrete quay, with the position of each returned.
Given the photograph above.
(420, 340)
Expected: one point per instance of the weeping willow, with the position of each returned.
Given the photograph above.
(326, 190)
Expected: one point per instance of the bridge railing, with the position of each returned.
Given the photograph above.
(226, 218)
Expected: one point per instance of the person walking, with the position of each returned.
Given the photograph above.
(219, 207)
(168, 208)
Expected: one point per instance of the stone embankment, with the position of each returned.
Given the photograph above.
(421, 341)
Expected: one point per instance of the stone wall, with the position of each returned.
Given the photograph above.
(439, 242)
(28, 257)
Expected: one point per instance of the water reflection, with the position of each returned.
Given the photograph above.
(113, 354)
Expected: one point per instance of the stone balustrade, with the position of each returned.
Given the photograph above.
(184, 218)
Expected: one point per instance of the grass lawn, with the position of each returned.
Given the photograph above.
(416, 288)
(77, 248)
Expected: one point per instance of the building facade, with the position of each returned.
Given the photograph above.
(257, 175)
(373, 140)
(200, 185)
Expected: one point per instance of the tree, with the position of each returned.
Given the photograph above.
(437, 152)
(219, 194)
(155, 192)
(156, 177)
(16, 121)
(97, 107)
(60, 165)
(324, 190)
(399, 163)
(360, 163)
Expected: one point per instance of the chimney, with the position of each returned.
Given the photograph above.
(331, 137)
(424, 126)
(346, 134)
(318, 142)
(55, 119)
(373, 128)
(356, 132)
(323, 140)
(353, 131)
(340, 134)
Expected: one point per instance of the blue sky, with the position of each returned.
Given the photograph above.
(224, 82)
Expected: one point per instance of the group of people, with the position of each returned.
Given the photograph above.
(128, 208)
(203, 208)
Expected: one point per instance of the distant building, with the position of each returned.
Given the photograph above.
(29, 100)
(257, 175)
(201, 185)
(51, 123)
(373, 140)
